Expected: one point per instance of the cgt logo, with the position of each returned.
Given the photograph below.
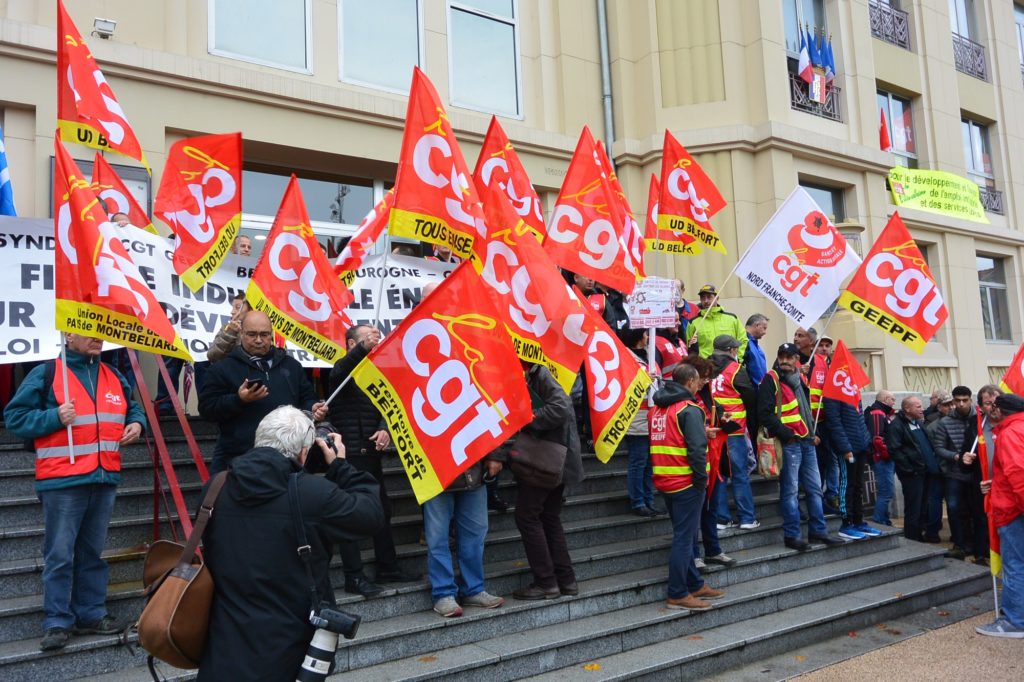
(114, 399)
(320, 310)
(794, 278)
(841, 380)
(448, 178)
(910, 290)
(451, 391)
(514, 279)
(603, 359)
(217, 187)
(659, 424)
(523, 203)
(681, 187)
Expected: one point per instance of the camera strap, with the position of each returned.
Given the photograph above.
(304, 550)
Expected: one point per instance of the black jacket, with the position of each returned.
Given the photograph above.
(259, 619)
(952, 436)
(903, 449)
(691, 423)
(555, 420)
(237, 421)
(352, 414)
(847, 431)
(767, 416)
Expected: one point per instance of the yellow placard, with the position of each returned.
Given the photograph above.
(937, 192)
(89, 319)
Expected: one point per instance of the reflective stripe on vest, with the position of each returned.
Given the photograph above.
(725, 394)
(790, 410)
(96, 431)
(669, 457)
(816, 382)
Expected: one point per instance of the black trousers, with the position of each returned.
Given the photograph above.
(383, 543)
(915, 503)
(855, 487)
(539, 520)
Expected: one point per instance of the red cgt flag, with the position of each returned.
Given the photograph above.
(688, 197)
(629, 233)
(200, 197)
(846, 378)
(894, 290)
(1013, 380)
(665, 241)
(435, 201)
(538, 309)
(616, 386)
(293, 283)
(448, 382)
(111, 189)
(584, 230)
(87, 110)
(99, 290)
(498, 160)
(366, 235)
(884, 141)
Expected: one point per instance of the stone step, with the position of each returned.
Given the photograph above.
(129, 531)
(15, 483)
(129, 502)
(720, 646)
(648, 641)
(18, 459)
(617, 586)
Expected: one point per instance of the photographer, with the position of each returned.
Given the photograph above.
(259, 620)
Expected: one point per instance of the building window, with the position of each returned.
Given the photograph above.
(901, 128)
(799, 13)
(1018, 16)
(995, 310)
(829, 200)
(483, 53)
(961, 18)
(136, 179)
(976, 152)
(268, 32)
(380, 42)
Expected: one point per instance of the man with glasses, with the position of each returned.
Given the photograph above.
(248, 384)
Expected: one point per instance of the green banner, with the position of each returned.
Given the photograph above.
(937, 192)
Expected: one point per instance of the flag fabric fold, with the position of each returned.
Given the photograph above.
(200, 198)
(293, 283)
(664, 241)
(688, 197)
(845, 378)
(629, 233)
(116, 197)
(995, 558)
(1013, 379)
(804, 68)
(366, 235)
(498, 160)
(884, 139)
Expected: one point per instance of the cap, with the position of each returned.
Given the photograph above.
(725, 342)
(825, 337)
(708, 289)
(1010, 403)
(789, 349)
(945, 397)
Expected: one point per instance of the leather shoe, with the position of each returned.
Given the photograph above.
(495, 503)
(569, 590)
(646, 512)
(707, 592)
(826, 540)
(363, 587)
(395, 575)
(932, 539)
(534, 593)
(797, 544)
(688, 602)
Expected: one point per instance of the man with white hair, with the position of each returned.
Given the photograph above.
(259, 619)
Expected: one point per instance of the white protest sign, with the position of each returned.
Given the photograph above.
(652, 303)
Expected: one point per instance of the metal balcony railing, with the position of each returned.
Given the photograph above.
(992, 200)
(969, 57)
(801, 100)
(889, 24)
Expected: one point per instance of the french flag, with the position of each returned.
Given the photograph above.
(803, 68)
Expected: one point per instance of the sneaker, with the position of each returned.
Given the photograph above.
(447, 607)
(55, 638)
(726, 526)
(708, 592)
(699, 563)
(1000, 628)
(750, 526)
(850, 533)
(688, 602)
(107, 625)
(720, 559)
(534, 593)
(868, 530)
(483, 601)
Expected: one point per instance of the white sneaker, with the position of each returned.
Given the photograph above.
(447, 607)
(750, 526)
(483, 600)
(1000, 628)
(725, 526)
(699, 563)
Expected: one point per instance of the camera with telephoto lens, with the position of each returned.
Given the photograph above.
(329, 623)
(316, 462)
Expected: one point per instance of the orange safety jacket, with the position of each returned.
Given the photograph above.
(789, 408)
(726, 395)
(669, 460)
(96, 431)
(816, 382)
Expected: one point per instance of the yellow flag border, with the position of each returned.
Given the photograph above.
(214, 255)
(565, 376)
(850, 300)
(89, 317)
(259, 301)
(673, 247)
(410, 224)
(69, 133)
(606, 443)
(706, 237)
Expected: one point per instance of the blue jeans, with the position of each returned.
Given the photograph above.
(469, 509)
(639, 473)
(739, 451)
(800, 469)
(74, 575)
(684, 511)
(1011, 539)
(709, 523)
(885, 472)
(934, 489)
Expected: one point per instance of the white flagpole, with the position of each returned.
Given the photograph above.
(814, 350)
(67, 395)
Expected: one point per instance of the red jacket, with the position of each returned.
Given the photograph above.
(1007, 495)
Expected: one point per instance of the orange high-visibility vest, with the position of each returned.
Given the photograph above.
(726, 395)
(96, 431)
(790, 408)
(669, 458)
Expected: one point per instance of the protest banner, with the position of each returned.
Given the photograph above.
(937, 192)
(653, 303)
(799, 260)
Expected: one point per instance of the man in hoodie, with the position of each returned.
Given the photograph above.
(77, 489)
(916, 465)
(255, 378)
(259, 618)
(711, 323)
(877, 418)
(733, 391)
(784, 409)
(955, 439)
(679, 453)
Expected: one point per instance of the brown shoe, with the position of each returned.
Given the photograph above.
(708, 592)
(688, 602)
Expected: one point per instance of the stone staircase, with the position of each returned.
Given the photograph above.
(617, 628)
